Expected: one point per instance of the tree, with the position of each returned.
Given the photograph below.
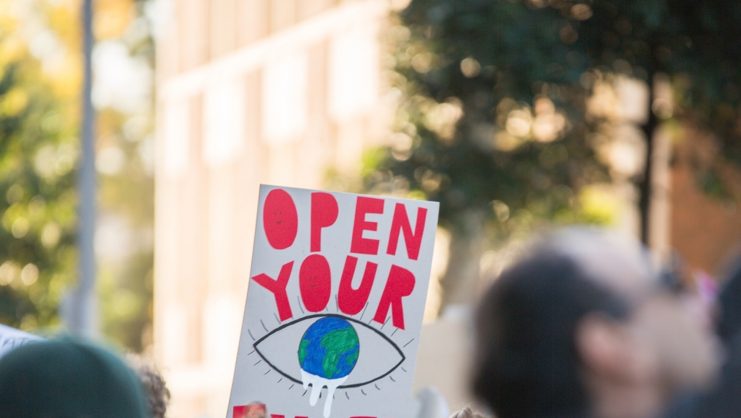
(40, 57)
(492, 123)
(494, 120)
(37, 196)
(692, 45)
(125, 175)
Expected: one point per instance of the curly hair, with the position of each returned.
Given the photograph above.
(154, 385)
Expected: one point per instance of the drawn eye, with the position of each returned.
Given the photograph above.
(328, 353)
(329, 346)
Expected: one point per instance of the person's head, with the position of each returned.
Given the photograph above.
(579, 327)
(729, 304)
(68, 379)
(155, 388)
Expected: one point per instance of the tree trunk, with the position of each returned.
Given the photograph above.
(645, 183)
(467, 243)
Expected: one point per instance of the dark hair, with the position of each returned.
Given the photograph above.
(155, 387)
(729, 302)
(526, 361)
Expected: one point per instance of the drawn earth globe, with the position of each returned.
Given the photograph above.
(329, 348)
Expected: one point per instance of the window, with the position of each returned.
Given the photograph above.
(223, 129)
(284, 97)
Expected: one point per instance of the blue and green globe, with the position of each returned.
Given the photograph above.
(329, 348)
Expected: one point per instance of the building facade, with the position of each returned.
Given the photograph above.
(249, 92)
(289, 92)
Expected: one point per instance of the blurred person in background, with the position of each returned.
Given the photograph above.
(582, 327)
(722, 400)
(728, 323)
(155, 387)
(68, 379)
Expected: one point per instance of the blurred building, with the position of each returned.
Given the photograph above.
(249, 92)
(289, 92)
(705, 230)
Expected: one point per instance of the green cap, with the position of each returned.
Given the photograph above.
(67, 378)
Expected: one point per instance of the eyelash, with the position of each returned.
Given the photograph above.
(368, 325)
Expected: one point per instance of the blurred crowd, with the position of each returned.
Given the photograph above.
(72, 378)
(581, 325)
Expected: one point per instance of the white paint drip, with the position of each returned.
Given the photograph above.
(317, 383)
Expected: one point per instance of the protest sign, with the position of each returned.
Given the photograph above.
(11, 338)
(334, 308)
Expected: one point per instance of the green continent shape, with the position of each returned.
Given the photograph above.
(303, 350)
(335, 344)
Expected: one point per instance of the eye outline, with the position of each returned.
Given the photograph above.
(324, 315)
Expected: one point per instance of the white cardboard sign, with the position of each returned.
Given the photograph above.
(334, 309)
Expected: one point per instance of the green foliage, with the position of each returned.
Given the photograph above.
(37, 196)
(493, 108)
(126, 196)
(39, 147)
(694, 44)
(493, 111)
